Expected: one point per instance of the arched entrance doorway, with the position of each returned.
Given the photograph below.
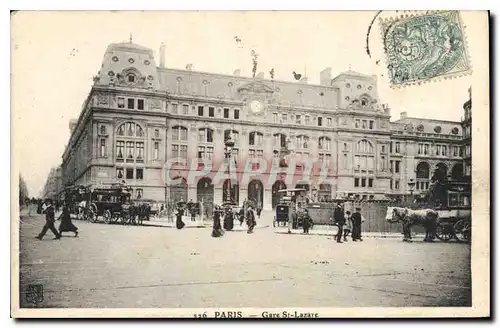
(457, 172)
(423, 176)
(278, 185)
(232, 195)
(179, 190)
(205, 194)
(256, 192)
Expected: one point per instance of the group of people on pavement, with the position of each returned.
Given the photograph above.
(348, 223)
(66, 224)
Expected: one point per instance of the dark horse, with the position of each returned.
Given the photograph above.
(427, 218)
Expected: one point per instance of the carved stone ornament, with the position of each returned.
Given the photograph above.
(155, 104)
(409, 127)
(255, 87)
(102, 99)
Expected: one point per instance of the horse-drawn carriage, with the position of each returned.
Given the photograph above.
(455, 215)
(76, 197)
(292, 200)
(114, 205)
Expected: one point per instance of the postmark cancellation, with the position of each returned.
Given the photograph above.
(425, 46)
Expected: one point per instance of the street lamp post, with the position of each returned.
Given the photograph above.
(229, 144)
(411, 185)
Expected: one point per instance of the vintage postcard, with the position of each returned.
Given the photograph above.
(260, 164)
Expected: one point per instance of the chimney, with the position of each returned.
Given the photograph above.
(304, 79)
(189, 67)
(162, 55)
(260, 75)
(325, 76)
(237, 72)
(403, 115)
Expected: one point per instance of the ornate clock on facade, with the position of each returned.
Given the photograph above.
(256, 107)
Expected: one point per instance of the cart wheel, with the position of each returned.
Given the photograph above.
(443, 233)
(92, 215)
(107, 216)
(462, 230)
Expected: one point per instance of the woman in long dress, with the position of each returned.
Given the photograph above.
(66, 224)
(179, 223)
(217, 228)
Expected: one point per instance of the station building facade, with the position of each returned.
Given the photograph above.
(140, 118)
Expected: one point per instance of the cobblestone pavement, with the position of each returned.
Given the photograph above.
(143, 266)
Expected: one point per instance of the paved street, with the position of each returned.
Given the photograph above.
(146, 266)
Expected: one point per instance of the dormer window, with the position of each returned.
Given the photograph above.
(131, 78)
(364, 102)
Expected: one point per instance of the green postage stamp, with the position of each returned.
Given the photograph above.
(425, 47)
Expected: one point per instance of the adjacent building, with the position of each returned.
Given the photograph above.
(54, 185)
(139, 116)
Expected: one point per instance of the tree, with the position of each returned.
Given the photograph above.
(23, 191)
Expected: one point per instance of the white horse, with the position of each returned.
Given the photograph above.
(427, 218)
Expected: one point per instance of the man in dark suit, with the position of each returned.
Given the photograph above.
(357, 220)
(49, 221)
(339, 218)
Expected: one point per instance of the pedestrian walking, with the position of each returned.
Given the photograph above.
(251, 222)
(179, 223)
(357, 220)
(192, 210)
(339, 217)
(348, 225)
(49, 221)
(306, 221)
(66, 224)
(217, 228)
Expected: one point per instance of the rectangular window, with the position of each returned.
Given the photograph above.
(185, 109)
(211, 111)
(183, 151)
(119, 172)
(426, 149)
(140, 104)
(390, 184)
(382, 149)
(307, 120)
(157, 133)
(140, 150)
(200, 110)
(364, 124)
(397, 166)
(363, 182)
(130, 103)
(236, 114)
(275, 117)
(455, 151)
(390, 147)
(156, 150)
(120, 149)
(357, 123)
(444, 150)
(370, 163)
(396, 184)
(284, 118)
(370, 182)
(129, 174)
(298, 119)
(320, 121)
(398, 147)
(329, 122)
(438, 150)
(356, 163)
(356, 182)
(420, 149)
(382, 163)
(175, 151)
(102, 148)
(130, 149)
(226, 112)
(371, 125)
(139, 193)
(260, 153)
(139, 174)
(121, 102)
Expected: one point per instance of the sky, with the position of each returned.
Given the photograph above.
(54, 56)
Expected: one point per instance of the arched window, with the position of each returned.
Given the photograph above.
(301, 142)
(205, 135)
(255, 139)
(325, 143)
(364, 147)
(279, 140)
(130, 143)
(423, 176)
(235, 135)
(179, 133)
